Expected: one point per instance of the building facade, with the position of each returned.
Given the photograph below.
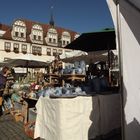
(41, 41)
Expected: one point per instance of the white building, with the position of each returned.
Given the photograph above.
(42, 41)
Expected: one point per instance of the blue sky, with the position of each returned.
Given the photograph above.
(78, 15)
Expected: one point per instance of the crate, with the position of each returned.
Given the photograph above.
(32, 114)
(20, 111)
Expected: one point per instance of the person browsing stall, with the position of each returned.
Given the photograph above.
(3, 79)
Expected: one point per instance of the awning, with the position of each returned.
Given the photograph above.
(94, 41)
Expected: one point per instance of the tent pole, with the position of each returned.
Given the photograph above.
(120, 68)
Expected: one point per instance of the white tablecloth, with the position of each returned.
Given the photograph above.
(77, 118)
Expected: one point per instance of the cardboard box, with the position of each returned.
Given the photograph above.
(18, 117)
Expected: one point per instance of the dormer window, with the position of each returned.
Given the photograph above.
(76, 36)
(19, 31)
(37, 34)
(66, 38)
(52, 37)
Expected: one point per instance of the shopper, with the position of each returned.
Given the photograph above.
(3, 78)
(57, 65)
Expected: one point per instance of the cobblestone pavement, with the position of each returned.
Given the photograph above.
(11, 130)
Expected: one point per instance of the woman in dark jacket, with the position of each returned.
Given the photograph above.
(3, 78)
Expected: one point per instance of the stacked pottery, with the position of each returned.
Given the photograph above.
(58, 91)
(78, 90)
(78, 70)
(83, 66)
(40, 93)
(76, 64)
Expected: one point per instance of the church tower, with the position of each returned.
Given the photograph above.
(51, 18)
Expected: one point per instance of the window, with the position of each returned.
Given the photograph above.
(36, 50)
(50, 40)
(37, 34)
(49, 51)
(54, 52)
(39, 37)
(52, 37)
(66, 38)
(67, 51)
(63, 42)
(34, 37)
(19, 30)
(16, 34)
(54, 40)
(59, 52)
(24, 48)
(16, 48)
(7, 46)
(22, 34)
(6, 58)
(39, 50)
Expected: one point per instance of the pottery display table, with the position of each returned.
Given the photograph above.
(79, 118)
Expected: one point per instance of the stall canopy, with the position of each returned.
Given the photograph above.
(95, 56)
(75, 53)
(94, 41)
(27, 61)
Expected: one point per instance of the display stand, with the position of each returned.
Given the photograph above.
(62, 78)
(72, 77)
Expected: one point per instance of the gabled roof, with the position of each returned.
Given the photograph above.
(29, 24)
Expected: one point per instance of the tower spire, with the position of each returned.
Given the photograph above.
(51, 17)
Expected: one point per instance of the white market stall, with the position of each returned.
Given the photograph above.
(82, 117)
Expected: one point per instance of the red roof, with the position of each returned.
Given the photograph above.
(4, 27)
(29, 25)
